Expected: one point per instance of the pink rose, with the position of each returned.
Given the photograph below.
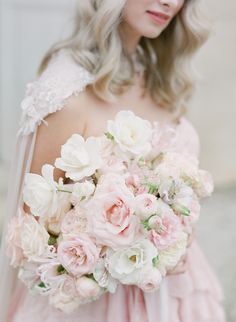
(151, 281)
(78, 255)
(111, 216)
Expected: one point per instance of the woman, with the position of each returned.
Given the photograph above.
(122, 55)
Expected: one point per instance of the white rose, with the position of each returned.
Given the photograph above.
(79, 158)
(131, 133)
(34, 239)
(82, 191)
(40, 192)
(87, 288)
(146, 205)
(130, 265)
(151, 281)
(170, 257)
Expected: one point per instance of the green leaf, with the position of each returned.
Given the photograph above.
(52, 240)
(42, 285)
(181, 209)
(109, 136)
(61, 269)
(155, 260)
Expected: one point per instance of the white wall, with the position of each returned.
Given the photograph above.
(213, 111)
(28, 28)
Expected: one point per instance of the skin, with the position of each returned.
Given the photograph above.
(86, 114)
(137, 22)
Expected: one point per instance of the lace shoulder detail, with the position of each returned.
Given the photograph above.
(47, 94)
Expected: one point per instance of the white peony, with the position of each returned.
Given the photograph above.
(40, 192)
(130, 265)
(79, 158)
(131, 132)
(34, 239)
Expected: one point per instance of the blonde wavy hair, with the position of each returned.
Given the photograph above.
(96, 45)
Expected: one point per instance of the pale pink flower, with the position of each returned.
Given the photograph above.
(112, 164)
(163, 139)
(87, 288)
(151, 281)
(168, 231)
(78, 254)
(65, 297)
(145, 205)
(73, 224)
(111, 216)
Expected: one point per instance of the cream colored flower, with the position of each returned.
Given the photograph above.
(34, 239)
(79, 158)
(130, 265)
(40, 192)
(131, 132)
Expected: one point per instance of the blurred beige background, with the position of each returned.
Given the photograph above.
(29, 27)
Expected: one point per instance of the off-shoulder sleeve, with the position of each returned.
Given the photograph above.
(62, 78)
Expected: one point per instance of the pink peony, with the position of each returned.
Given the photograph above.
(78, 255)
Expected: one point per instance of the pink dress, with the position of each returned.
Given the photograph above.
(192, 296)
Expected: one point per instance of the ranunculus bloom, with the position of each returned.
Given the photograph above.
(145, 205)
(79, 158)
(168, 232)
(40, 192)
(110, 213)
(151, 281)
(78, 254)
(130, 265)
(131, 132)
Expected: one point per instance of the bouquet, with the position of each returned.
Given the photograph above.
(124, 216)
